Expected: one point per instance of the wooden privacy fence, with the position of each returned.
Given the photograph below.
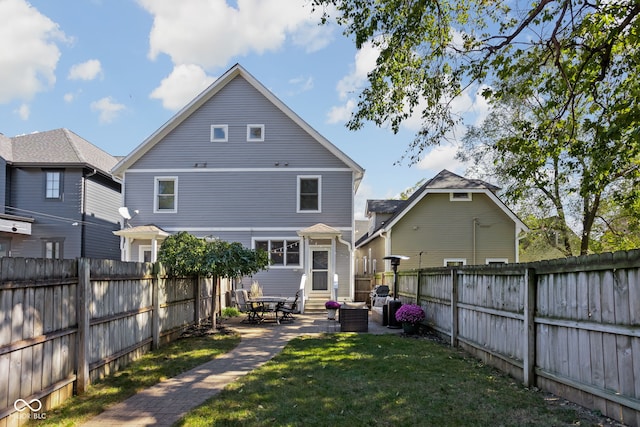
(65, 323)
(570, 326)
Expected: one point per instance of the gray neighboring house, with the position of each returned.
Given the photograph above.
(59, 197)
(237, 164)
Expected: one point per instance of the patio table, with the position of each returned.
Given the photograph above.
(261, 305)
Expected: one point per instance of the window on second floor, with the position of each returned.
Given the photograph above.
(460, 197)
(53, 185)
(219, 133)
(255, 133)
(309, 193)
(166, 194)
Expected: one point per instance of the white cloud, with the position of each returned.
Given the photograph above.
(88, 70)
(364, 61)
(441, 157)
(28, 53)
(181, 86)
(211, 32)
(108, 109)
(301, 84)
(341, 113)
(24, 111)
(349, 86)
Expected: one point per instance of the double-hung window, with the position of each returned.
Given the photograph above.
(282, 252)
(309, 193)
(166, 194)
(53, 185)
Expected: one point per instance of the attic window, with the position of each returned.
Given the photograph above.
(255, 133)
(219, 133)
(460, 197)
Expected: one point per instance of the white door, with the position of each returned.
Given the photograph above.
(320, 271)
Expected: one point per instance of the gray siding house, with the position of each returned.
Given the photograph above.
(450, 220)
(60, 199)
(238, 165)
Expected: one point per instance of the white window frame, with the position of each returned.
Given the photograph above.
(226, 133)
(156, 208)
(468, 197)
(250, 138)
(497, 260)
(141, 250)
(286, 241)
(300, 178)
(448, 260)
(57, 195)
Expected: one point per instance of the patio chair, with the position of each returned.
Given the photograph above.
(289, 308)
(242, 301)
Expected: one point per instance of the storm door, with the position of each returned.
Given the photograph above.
(320, 269)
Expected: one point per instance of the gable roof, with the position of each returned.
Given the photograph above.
(210, 92)
(443, 182)
(59, 147)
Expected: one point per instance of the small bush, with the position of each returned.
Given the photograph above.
(230, 312)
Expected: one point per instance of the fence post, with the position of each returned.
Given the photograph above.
(155, 318)
(83, 314)
(529, 351)
(197, 291)
(454, 307)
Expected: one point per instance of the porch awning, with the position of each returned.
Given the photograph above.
(145, 232)
(15, 224)
(320, 231)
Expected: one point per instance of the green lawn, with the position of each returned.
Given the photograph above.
(378, 380)
(169, 361)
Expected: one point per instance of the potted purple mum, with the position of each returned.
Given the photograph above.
(410, 315)
(331, 307)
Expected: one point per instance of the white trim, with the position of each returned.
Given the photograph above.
(250, 139)
(235, 170)
(142, 249)
(468, 197)
(462, 260)
(226, 133)
(156, 179)
(497, 260)
(244, 229)
(284, 239)
(301, 177)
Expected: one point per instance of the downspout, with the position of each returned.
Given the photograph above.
(84, 212)
(351, 279)
(473, 232)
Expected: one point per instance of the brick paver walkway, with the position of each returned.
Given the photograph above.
(169, 401)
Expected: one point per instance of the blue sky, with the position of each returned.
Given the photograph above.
(114, 71)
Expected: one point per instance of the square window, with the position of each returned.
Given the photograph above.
(255, 133)
(219, 133)
(166, 189)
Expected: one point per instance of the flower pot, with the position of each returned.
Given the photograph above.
(331, 313)
(410, 328)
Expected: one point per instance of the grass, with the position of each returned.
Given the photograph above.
(169, 361)
(377, 380)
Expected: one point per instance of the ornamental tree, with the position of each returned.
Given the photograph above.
(185, 254)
